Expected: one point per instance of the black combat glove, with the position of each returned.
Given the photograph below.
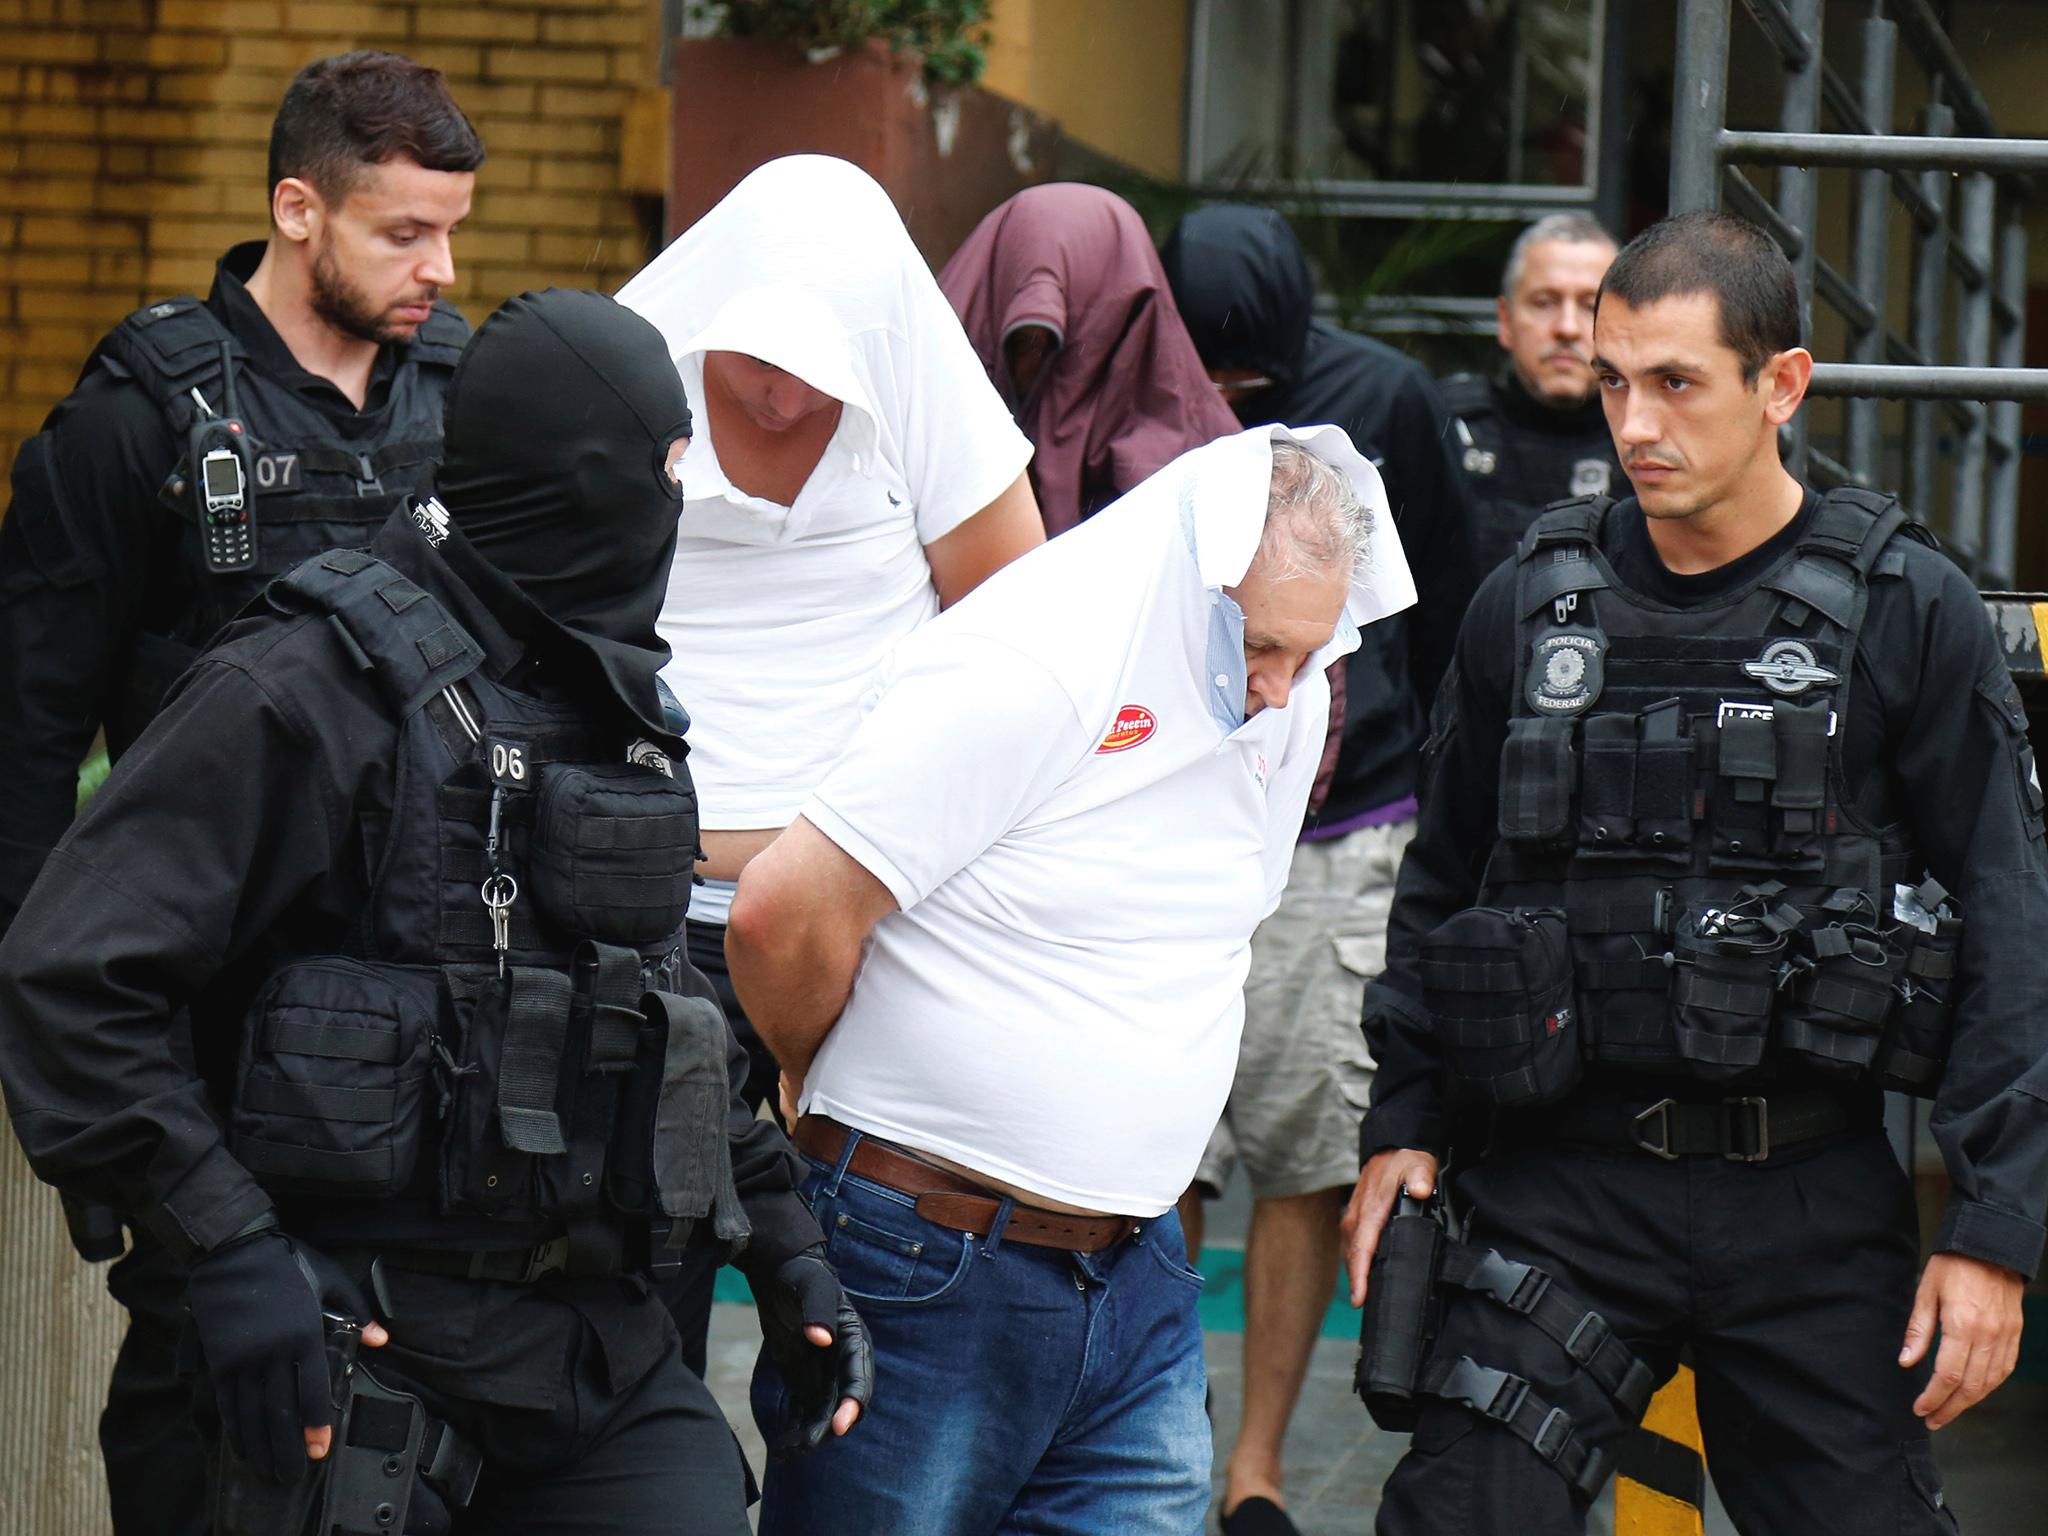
(256, 1305)
(803, 1291)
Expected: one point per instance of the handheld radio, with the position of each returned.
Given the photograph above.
(223, 479)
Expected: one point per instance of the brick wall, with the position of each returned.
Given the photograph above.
(133, 132)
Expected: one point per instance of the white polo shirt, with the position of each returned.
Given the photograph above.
(1081, 831)
(776, 617)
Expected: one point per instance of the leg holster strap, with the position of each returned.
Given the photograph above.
(1579, 1332)
(1506, 1399)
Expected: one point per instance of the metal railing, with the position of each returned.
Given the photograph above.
(1972, 385)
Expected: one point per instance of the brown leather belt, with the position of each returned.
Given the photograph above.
(953, 1200)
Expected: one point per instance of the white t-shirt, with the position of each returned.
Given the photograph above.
(776, 617)
(1081, 832)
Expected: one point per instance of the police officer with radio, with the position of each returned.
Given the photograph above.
(1533, 432)
(412, 846)
(1730, 824)
(207, 448)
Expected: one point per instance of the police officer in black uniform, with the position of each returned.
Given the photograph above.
(1730, 824)
(1533, 433)
(207, 448)
(412, 844)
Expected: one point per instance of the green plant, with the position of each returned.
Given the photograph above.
(950, 35)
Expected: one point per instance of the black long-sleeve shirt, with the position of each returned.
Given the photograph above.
(92, 563)
(1932, 740)
(240, 828)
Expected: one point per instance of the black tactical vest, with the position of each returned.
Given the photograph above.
(1515, 473)
(314, 489)
(549, 1075)
(1680, 883)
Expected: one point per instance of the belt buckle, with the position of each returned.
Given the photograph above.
(1763, 1130)
(546, 1259)
(1661, 1147)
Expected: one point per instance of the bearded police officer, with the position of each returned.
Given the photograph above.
(412, 845)
(1730, 824)
(1533, 433)
(207, 448)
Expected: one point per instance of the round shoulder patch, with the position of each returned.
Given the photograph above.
(1565, 671)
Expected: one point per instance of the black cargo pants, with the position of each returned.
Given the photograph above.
(1792, 1280)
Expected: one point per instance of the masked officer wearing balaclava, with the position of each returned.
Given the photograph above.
(414, 844)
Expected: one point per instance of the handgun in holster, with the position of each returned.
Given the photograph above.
(1402, 1312)
(386, 1449)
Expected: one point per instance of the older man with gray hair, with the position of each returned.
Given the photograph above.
(1000, 956)
(1534, 432)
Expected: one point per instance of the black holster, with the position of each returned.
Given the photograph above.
(387, 1451)
(1401, 1313)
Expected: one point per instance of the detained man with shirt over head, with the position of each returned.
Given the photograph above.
(1072, 799)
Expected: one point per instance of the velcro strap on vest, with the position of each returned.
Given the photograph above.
(1588, 916)
(1543, 584)
(1579, 1331)
(692, 1159)
(536, 1029)
(1506, 1399)
(1535, 788)
(310, 1101)
(1649, 974)
(610, 977)
(1931, 963)
(339, 1042)
(416, 648)
(1821, 585)
(373, 1165)
(1471, 975)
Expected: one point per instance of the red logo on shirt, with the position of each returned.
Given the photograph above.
(1134, 723)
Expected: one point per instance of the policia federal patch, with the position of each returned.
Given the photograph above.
(1565, 671)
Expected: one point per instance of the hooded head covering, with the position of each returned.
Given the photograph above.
(806, 265)
(1243, 287)
(1125, 392)
(555, 468)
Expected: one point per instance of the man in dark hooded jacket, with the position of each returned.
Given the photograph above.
(1243, 286)
(412, 845)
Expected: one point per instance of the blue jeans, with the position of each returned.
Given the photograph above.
(1017, 1388)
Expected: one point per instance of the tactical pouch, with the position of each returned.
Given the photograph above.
(1607, 785)
(1400, 1317)
(1838, 990)
(1743, 777)
(1799, 736)
(330, 1085)
(1498, 988)
(1923, 1018)
(1538, 780)
(1664, 792)
(614, 851)
(671, 1157)
(1726, 980)
(480, 1172)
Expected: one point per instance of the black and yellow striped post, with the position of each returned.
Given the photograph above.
(1660, 1478)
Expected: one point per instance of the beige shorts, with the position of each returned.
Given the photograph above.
(1303, 1072)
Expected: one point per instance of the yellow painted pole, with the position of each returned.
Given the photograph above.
(1643, 1511)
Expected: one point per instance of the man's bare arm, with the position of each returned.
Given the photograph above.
(801, 916)
(1007, 527)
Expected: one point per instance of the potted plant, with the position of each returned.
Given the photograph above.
(887, 84)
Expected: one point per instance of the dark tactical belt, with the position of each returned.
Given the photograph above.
(949, 1199)
(519, 1266)
(1743, 1129)
(1506, 1399)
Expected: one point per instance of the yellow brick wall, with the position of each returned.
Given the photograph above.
(133, 135)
